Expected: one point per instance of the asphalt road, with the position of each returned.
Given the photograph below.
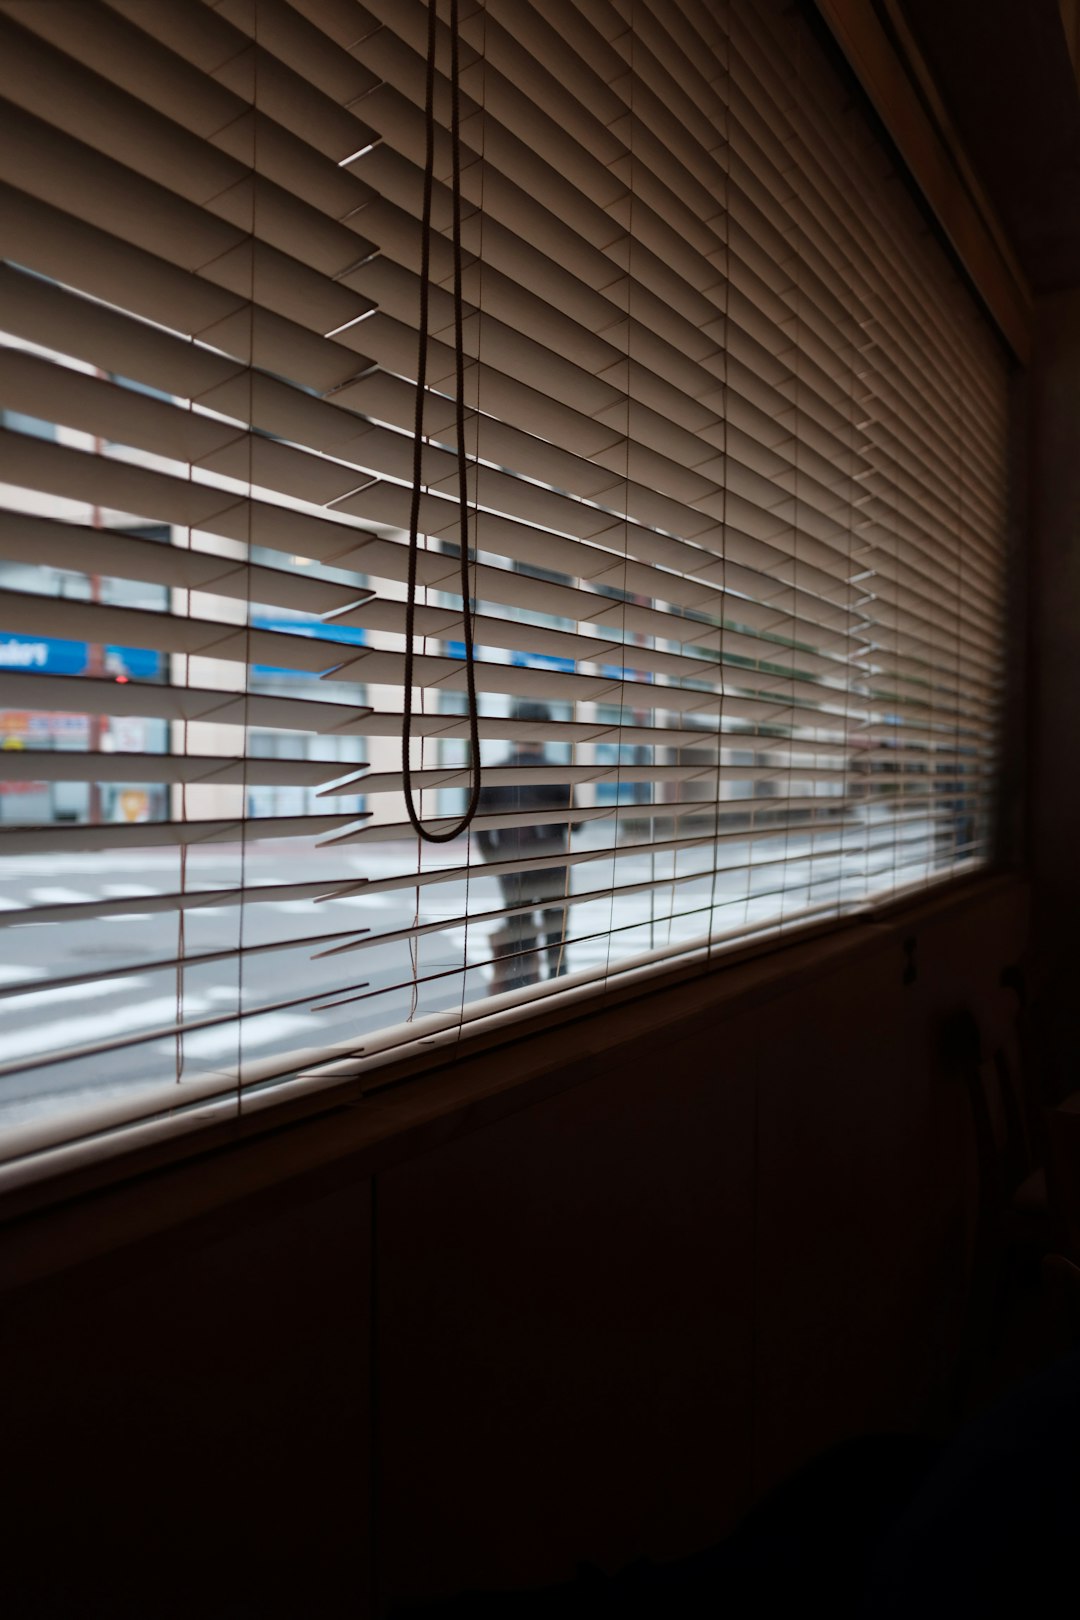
(761, 882)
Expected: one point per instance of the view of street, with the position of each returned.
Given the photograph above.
(120, 981)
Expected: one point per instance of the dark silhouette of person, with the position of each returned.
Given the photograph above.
(534, 889)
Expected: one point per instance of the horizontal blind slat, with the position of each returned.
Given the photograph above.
(81, 694)
(149, 835)
(41, 765)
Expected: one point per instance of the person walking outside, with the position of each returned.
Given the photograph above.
(516, 946)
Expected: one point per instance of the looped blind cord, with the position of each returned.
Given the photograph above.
(440, 837)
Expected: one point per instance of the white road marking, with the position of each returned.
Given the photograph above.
(77, 992)
(222, 1041)
(57, 1039)
(10, 974)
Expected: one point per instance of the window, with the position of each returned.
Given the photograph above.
(33, 736)
(735, 433)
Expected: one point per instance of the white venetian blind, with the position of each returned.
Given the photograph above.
(736, 444)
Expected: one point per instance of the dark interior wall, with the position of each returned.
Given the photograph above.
(1055, 638)
(1054, 676)
(588, 1320)
(1005, 74)
(185, 1424)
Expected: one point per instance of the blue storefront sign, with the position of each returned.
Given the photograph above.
(524, 660)
(565, 666)
(520, 660)
(344, 635)
(620, 672)
(48, 655)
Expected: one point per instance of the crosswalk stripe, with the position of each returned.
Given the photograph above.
(11, 974)
(95, 990)
(222, 1042)
(65, 1033)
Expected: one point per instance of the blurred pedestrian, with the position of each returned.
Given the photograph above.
(537, 892)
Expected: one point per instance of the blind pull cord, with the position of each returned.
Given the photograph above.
(445, 836)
